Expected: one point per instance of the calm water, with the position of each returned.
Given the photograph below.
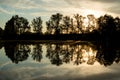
(59, 61)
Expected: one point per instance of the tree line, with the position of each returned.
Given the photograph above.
(18, 27)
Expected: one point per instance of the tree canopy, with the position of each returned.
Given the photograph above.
(60, 24)
(16, 26)
(37, 25)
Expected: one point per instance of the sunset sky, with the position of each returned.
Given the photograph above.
(45, 8)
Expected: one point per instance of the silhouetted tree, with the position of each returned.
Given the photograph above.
(50, 27)
(10, 29)
(72, 26)
(37, 25)
(56, 18)
(66, 24)
(106, 25)
(79, 22)
(16, 25)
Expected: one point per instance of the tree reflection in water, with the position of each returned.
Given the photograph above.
(53, 53)
(37, 52)
(17, 52)
(58, 54)
(108, 54)
(79, 53)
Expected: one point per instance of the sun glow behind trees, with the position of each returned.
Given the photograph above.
(72, 24)
(89, 18)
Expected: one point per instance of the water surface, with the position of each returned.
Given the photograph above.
(59, 61)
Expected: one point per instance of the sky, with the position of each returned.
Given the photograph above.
(45, 8)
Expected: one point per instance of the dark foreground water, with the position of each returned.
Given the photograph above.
(59, 61)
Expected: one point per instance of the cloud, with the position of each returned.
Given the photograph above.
(9, 12)
(37, 4)
(114, 9)
(5, 11)
(108, 6)
(44, 71)
(48, 1)
(26, 4)
(107, 1)
(29, 73)
(49, 7)
(40, 14)
(8, 2)
(20, 4)
(93, 1)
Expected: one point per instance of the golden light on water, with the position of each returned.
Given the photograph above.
(76, 54)
(89, 57)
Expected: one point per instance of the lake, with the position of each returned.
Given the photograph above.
(59, 60)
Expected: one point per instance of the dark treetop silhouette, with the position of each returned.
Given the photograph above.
(61, 27)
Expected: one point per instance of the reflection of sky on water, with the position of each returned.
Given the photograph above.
(32, 70)
(35, 71)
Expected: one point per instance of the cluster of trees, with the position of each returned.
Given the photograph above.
(59, 24)
(20, 25)
(59, 54)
